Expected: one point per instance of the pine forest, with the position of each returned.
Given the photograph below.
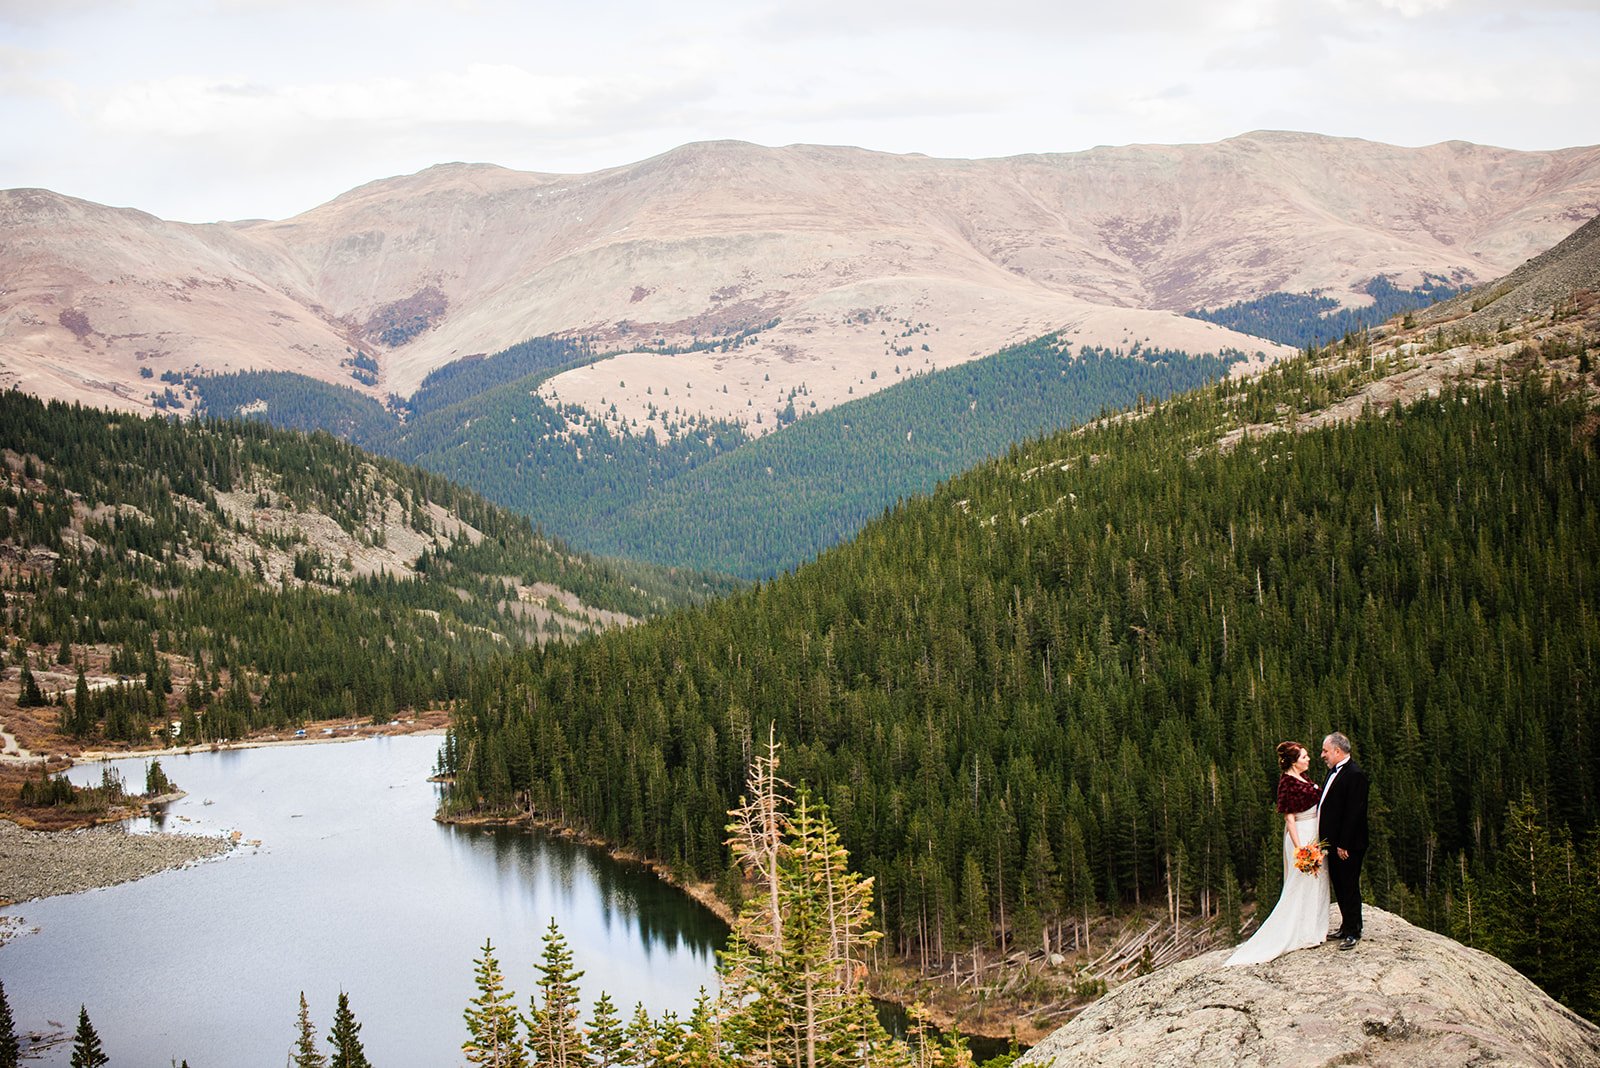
(187, 543)
(1054, 686)
(700, 493)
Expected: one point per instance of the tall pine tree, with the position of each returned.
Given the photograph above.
(491, 1017)
(605, 1035)
(793, 973)
(554, 1037)
(1539, 907)
(305, 1053)
(86, 1051)
(10, 1049)
(345, 1038)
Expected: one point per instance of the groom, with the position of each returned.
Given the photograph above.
(1342, 823)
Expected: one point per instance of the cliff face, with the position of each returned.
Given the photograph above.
(1403, 997)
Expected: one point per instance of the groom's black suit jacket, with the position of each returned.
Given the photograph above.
(1342, 820)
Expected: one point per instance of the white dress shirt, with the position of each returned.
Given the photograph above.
(1331, 776)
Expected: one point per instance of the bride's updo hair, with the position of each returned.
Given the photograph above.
(1288, 754)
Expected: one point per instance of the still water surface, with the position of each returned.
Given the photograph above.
(353, 888)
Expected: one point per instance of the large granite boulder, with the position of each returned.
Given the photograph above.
(1403, 997)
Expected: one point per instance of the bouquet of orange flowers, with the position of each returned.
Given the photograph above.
(1308, 858)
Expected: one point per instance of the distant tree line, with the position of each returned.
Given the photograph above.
(782, 499)
(696, 492)
(1313, 319)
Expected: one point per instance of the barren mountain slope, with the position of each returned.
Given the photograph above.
(90, 295)
(846, 247)
(1539, 286)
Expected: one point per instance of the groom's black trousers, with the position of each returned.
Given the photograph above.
(1345, 875)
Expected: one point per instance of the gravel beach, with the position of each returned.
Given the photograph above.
(45, 863)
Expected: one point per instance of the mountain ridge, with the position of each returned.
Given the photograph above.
(411, 272)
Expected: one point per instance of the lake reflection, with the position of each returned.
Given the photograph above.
(353, 887)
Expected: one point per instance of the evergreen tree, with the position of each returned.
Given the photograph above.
(305, 1054)
(10, 1048)
(793, 974)
(639, 1038)
(1540, 907)
(1230, 904)
(156, 782)
(345, 1038)
(1585, 921)
(666, 1042)
(1041, 882)
(491, 1017)
(554, 1037)
(974, 905)
(29, 695)
(606, 1036)
(702, 1041)
(86, 1051)
(82, 706)
(1466, 905)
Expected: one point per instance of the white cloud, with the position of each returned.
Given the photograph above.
(481, 93)
(32, 13)
(212, 108)
(1415, 8)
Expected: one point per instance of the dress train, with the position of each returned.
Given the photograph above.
(1300, 918)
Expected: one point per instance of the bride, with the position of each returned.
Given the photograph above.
(1300, 918)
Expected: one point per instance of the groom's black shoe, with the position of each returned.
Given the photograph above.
(1337, 936)
(1349, 941)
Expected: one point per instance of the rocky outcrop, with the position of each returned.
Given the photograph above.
(1404, 997)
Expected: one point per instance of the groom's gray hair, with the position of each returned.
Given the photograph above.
(1338, 741)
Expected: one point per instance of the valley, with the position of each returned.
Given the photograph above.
(209, 581)
(1025, 626)
(1044, 691)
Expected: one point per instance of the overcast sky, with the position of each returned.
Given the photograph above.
(207, 109)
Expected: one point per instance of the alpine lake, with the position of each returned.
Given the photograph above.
(352, 888)
(342, 881)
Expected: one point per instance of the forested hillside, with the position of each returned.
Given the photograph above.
(1054, 686)
(482, 423)
(784, 498)
(466, 378)
(266, 577)
(703, 495)
(1311, 319)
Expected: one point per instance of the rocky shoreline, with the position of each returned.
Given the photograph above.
(35, 864)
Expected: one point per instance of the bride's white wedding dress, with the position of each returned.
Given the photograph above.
(1300, 918)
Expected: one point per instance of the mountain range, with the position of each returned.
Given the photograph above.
(845, 270)
(1047, 688)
